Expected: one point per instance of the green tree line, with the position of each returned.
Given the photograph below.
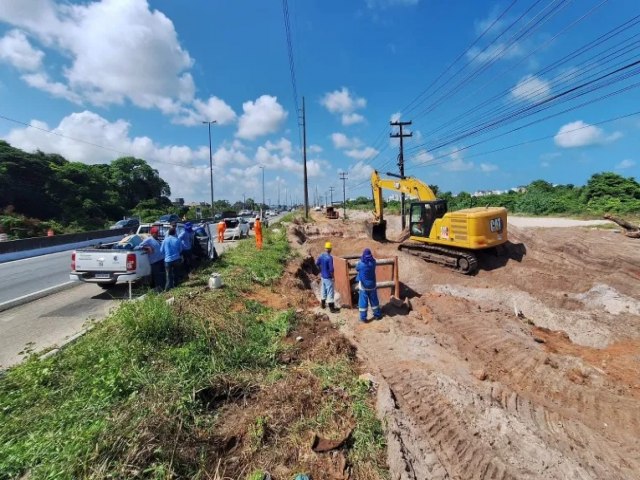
(605, 192)
(40, 190)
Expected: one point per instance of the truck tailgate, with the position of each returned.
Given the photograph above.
(97, 261)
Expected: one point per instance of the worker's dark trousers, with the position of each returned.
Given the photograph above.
(186, 262)
(172, 269)
(157, 274)
(369, 297)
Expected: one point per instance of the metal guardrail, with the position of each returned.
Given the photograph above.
(44, 242)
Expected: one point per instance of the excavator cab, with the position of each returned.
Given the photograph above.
(423, 214)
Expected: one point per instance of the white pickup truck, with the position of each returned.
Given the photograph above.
(111, 264)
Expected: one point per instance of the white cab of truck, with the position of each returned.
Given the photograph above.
(111, 264)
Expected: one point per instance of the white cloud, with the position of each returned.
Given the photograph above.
(352, 118)
(41, 81)
(362, 154)
(340, 140)
(344, 103)
(283, 162)
(488, 167)
(283, 145)
(112, 51)
(94, 129)
(531, 88)
(581, 134)
(626, 163)
(395, 117)
(422, 157)
(545, 164)
(213, 109)
(496, 51)
(261, 117)
(314, 149)
(360, 171)
(456, 163)
(16, 50)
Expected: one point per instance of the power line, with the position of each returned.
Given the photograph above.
(605, 56)
(525, 31)
(524, 58)
(548, 102)
(408, 108)
(434, 161)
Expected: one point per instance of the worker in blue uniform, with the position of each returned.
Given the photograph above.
(366, 279)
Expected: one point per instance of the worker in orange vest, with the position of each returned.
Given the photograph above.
(222, 226)
(257, 227)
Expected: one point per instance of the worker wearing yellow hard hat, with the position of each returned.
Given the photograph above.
(325, 264)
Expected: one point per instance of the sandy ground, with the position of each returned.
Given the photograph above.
(529, 369)
(549, 222)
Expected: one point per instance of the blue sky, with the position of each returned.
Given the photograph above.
(137, 77)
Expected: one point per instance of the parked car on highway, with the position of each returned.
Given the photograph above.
(236, 228)
(169, 218)
(129, 223)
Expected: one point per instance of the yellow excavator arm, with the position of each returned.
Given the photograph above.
(408, 185)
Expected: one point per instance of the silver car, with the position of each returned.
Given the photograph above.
(236, 228)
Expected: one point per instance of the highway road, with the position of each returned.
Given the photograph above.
(22, 277)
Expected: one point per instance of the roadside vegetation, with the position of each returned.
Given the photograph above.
(604, 193)
(226, 383)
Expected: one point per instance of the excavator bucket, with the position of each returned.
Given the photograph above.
(377, 230)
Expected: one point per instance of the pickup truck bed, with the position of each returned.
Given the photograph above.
(111, 265)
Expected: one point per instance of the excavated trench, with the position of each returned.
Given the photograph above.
(528, 370)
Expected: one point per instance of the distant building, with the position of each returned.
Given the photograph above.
(178, 202)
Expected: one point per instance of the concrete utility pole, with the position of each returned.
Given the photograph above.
(210, 162)
(331, 189)
(343, 177)
(304, 156)
(262, 204)
(401, 159)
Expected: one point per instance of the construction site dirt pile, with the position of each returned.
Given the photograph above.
(528, 369)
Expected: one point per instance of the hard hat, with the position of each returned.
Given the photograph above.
(327, 245)
(153, 230)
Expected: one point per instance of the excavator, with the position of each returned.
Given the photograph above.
(452, 239)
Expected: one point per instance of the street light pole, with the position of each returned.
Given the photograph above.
(210, 162)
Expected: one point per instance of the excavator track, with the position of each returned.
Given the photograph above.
(459, 260)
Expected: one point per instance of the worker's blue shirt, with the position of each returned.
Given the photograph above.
(325, 263)
(186, 238)
(152, 244)
(171, 248)
(366, 274)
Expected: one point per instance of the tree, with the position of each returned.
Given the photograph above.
(135, 181)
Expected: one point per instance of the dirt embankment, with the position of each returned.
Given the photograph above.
(528, 369)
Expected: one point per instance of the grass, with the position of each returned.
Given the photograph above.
(150, 391)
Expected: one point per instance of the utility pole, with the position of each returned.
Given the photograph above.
(401, 159)
(304, 156)
(262, 204)
(278, 192)
(210, 162)
(316, 202)
(331, 189)
(343, 177)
